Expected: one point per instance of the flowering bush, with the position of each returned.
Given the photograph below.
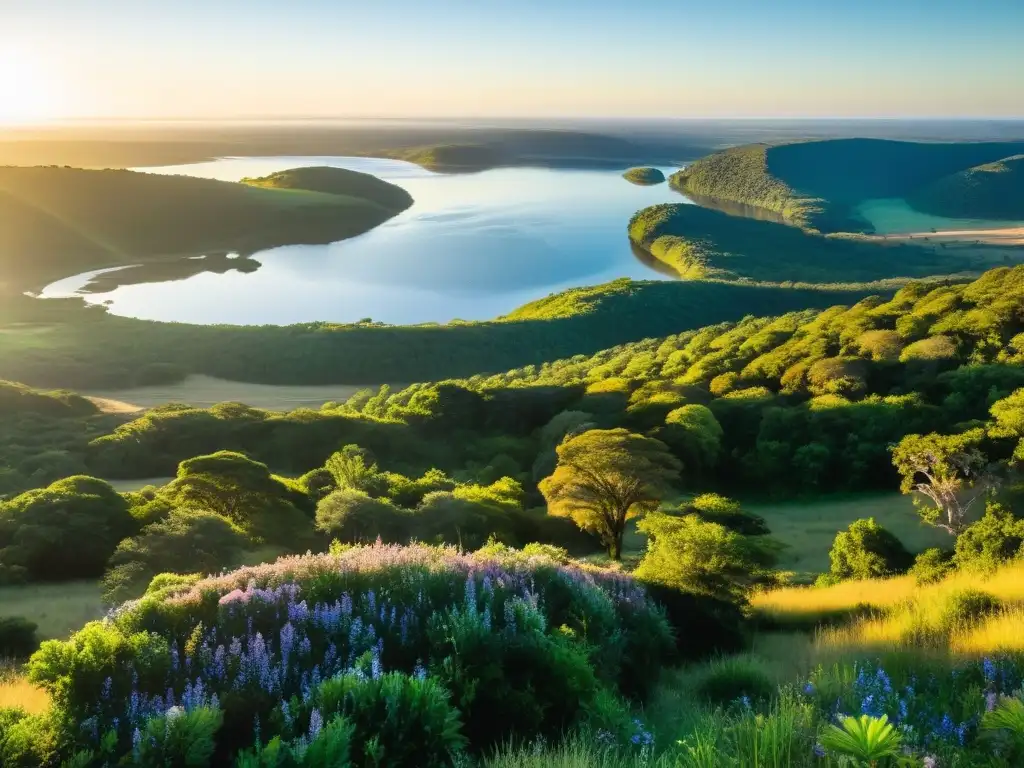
(522, 644)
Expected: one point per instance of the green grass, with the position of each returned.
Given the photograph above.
(808, 528)
(58, 609)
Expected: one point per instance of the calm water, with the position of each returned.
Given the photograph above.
(472, 246)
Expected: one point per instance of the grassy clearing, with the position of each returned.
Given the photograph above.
(58, 609)
(18, 692)
(204, 391)
(808, 528)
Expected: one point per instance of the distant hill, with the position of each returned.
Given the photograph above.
(338, 181)
(699, 243)
(58, 221)
(816, 184)
(989, 191)
(644, 176)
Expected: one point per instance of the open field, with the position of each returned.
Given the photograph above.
(59, 609)
(808, 528)
(204, 391)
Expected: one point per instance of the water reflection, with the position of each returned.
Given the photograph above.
(471, 247)
(736, 209)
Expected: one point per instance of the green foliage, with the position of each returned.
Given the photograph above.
(931, 566)
(75, 220)
(353, 467)
(724, 681)
(352, 516)
(990, 542)
(699, 242)
(866, 550)
(691, 555)
(64, 531)
(989, 191)
(644, 176)
(17, 637)
(965, 608)
(695, 436)
(865, 740)
(188, 540)
(946, 473)
(396, 719)
(337, 181)
(27, 741)
(330, 749)
(1006, 723)
(605, 477)
(180, 738)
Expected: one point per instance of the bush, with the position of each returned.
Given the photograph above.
(866, 550)
(966, 608)
(724, 681)
(931, 566)
(397, 720)
(330, 748)
(351, 515)
(992, 541)
(27, 741)
(179, 737)
(64, 531)
(522, 644)
(17, 637)
(702, 625)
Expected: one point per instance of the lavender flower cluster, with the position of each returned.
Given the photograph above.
(273, 633)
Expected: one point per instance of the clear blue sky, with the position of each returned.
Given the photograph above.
(229, 58)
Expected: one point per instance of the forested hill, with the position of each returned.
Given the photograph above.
(806, 401)
(816, 183)
(58, 221)
(992, 191)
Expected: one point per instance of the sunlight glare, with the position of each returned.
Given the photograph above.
(26, 91)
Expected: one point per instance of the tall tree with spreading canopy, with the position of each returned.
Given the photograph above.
(948, 474)
(604, 477)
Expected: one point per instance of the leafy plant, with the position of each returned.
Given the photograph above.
(865, 739)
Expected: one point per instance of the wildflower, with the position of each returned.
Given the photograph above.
(808, 688)
(316, 723)
(988, 669)
(930, 761)
(174, 713)
(991, 699)
(819, 751)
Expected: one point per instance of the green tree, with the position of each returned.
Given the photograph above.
(692, 555)
(948, 474)
(604, 477)
(694, 435)
(64, 531)
(354, 467)
(352, 515)
(992, 541)
(866, 550)
(188, 541)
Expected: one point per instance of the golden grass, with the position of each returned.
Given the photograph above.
(58, 609)
(19, 692)
(902, 615)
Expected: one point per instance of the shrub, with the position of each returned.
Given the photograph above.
(931, 566)
(866, 550)
(724, 681)
(17, 636)
(179, 737)
(995, 539)
(702, 625)
(352, 515)
(967, 607)
(522, 643)
(330, 748)
(27, 741)
(64, 531)
(397, 719)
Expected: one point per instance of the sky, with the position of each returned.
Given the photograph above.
(227, 59)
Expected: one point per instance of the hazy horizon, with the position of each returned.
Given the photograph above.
(397, 59)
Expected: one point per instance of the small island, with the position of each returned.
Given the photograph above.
(646, 177)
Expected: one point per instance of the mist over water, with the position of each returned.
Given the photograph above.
(472, 247)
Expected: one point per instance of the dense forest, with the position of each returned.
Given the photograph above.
(816, 184)
(644, 176)
(74, 220)
(990, 191)
(61, 343)
(699, 242)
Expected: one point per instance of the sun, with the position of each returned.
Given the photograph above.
(27, 92)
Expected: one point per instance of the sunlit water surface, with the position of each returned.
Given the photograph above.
(472, 246)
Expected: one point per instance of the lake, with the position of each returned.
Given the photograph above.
(471, 247)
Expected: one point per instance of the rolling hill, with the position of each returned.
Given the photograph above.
(989, 191)
(816, 184)
(58, 221)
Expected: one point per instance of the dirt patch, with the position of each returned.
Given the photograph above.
(1010, 236)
